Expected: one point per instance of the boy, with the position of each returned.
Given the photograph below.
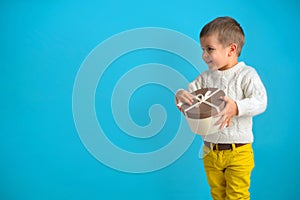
(229, 156)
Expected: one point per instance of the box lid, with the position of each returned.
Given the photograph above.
(207, 103)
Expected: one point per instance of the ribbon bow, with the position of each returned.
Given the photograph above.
(202, 99)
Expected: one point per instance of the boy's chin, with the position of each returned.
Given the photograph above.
(213, 67)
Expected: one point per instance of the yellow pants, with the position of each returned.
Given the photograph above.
(228, 172)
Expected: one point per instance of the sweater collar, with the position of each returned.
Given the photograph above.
(231, 70)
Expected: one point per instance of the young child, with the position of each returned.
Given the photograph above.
(229, 156)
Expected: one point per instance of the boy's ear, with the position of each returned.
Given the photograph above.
(232, 49)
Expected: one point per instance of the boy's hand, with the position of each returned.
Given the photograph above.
(183, 96)
(227, 113)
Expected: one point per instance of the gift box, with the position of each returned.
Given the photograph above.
(201, 115)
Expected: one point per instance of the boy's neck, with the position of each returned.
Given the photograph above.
(230, 64)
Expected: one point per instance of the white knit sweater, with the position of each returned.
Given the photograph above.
(242, 84)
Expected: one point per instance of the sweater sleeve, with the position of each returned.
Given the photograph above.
(255, 101)
(196, 84)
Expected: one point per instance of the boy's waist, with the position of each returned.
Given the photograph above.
(222, 146)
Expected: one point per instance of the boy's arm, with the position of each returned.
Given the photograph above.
(255, 101)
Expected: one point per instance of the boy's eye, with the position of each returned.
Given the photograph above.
(208, 49)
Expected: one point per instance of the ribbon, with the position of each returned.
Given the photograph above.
(202, 99)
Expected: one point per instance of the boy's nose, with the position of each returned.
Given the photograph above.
(205, 55)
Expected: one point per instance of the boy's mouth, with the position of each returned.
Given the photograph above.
(208, 61)
(211, 65)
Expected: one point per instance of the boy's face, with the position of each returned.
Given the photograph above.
(214, 53)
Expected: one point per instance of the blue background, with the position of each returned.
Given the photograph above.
(42, 46)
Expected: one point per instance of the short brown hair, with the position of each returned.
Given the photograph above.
(228, 30)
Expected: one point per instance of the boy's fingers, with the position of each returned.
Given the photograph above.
(222, 112)
(229, 121)
(185, 99)
(188, 98)
(224, 124)
(221, 120)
